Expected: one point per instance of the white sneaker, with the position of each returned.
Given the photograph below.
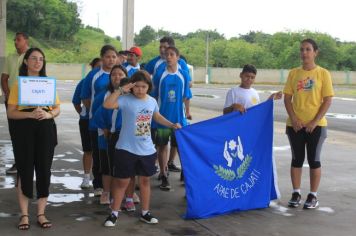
(110, 221)
(98, 192)
(105, 198)
(149, 218)
(136, 198)
(85, 184)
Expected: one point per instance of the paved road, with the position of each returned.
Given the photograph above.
(341, 115)
(77, 212)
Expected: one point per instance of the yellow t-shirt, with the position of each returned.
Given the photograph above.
(14, 98)
(308, 88)
(12, 66)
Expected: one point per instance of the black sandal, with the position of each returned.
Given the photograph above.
(44, 225)
(23, 226)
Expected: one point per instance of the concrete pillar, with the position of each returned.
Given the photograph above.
(128, 24)
(2, 33)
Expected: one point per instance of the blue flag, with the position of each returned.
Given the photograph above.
(228, 162)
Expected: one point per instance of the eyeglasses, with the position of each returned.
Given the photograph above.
(41, 59)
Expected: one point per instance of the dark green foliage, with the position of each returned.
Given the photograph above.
(277, 51)
(45, 19)
(146, 35)
(56, 24)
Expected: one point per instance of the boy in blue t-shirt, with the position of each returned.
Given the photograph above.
(171, 89)
(84, 127)
(159, 63)
(94, 83)
(84, 134)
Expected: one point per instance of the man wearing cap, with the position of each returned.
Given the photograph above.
(133, 57)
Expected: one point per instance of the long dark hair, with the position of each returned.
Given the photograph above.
(121, 67)
(23, 71)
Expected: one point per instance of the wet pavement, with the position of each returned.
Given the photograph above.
(77, 212)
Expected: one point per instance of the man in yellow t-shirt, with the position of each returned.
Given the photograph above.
(10, 73)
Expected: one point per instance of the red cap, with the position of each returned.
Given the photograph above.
(136, 50)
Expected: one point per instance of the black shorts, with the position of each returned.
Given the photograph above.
(127, 164)
(312, 142)
(84, 135)
(105, 162)
(114, 137)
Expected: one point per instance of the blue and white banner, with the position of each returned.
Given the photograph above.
(228, 162)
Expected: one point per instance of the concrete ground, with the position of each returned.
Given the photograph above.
(76, 212)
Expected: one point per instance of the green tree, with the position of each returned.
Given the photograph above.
(202, 34)
(48, 19)
(256, 37)
(193, 49)
(146, 35)
(347, 60)
(217, 51)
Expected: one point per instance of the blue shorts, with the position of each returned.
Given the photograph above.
(127, 164)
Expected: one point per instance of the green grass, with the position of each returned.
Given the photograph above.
(84, 46)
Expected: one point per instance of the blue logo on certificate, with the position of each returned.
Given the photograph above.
(37, 91)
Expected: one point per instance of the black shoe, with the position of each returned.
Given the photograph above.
(159, 177)
(148, 218)
(110, 221)
(165, 184)
(12, 170)
(295, 200)
(311, 202)
(181, 177)
(172, 167)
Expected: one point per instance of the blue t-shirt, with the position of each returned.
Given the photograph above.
(95, 104)
(107, 119)
(131, 69)
(181, 65)
(95, 82)
(135, 135)
(77, 101)
(110, 119)
(158, 64)
(170, 90)
(102, 142)
(153, 64)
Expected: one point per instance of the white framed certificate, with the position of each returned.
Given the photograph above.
(36, 91)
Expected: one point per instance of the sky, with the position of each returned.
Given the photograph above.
(228, 17)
